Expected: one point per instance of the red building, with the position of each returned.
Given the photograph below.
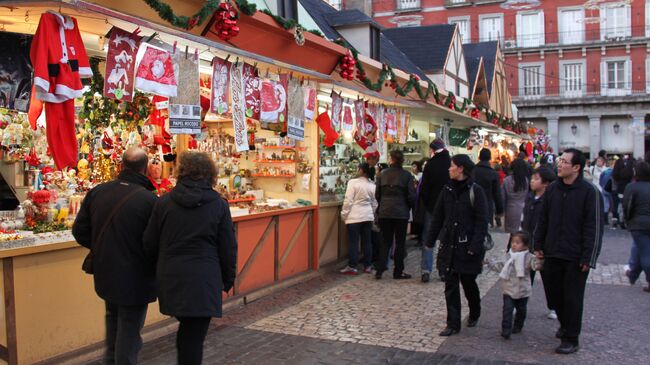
(577, 68)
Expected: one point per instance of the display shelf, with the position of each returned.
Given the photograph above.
(235, 201)
(413, 154)
(283, 148)
(276, 161)
(261, 175)
(415, 141)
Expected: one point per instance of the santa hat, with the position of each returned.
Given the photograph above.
(155, 71)
(325, 124)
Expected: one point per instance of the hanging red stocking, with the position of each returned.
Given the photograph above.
(325, 124)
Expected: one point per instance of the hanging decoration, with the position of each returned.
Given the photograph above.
(359, 113)
(205, 90)
(348, 123)
(337, 109)
(120, 64)
(237, 86)
(366, 137)
(186, 22)
(155, 71)
(274, 98)
(391, 121)
(347, 67)
(325, 124)
(310, 101)
(252, 87)
(296, 112)
(299, 36)
(220, 87)
(225, 22)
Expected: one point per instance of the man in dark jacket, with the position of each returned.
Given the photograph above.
(569, 236)
(434, 178)
(488, 179)
(118, 211)
(395, 193)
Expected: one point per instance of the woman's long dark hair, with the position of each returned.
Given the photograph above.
(623, 170)
(520, 174)
(367, 170)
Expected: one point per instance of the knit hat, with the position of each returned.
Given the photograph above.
(437, 144)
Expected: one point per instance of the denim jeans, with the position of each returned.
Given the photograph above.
(359, 232)
(509, 305)
(123, 326)
(427, 253)
(640, 255)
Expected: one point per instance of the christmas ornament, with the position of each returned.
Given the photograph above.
(225, 22)
(299, 36)
(347, 67)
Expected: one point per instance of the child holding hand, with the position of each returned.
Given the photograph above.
(514, 278)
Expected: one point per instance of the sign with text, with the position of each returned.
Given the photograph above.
(184, 119)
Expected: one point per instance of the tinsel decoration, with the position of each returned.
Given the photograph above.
(347, 67)
(226, 22)
(186, 22)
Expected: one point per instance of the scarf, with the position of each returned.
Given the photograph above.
(516, 260)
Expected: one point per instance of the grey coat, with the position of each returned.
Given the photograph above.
(636, 206)
(514, 202)
(514, 286)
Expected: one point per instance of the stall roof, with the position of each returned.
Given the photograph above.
(426, 46)
(327, 18)
(487, 50)
(473, 65)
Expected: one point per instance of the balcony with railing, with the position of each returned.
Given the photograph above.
(457, 3)
(580, 94)
(408, 5)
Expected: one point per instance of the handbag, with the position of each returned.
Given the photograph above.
(87, 265)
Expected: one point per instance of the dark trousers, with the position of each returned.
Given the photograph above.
(452, 297)
(376, 247)
(359, 232)
(509, 305)
(392, 230)
(565, 293)
(189, 339)
(123, 326)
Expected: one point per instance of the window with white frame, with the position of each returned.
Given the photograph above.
(408, 4)
(647, 75)
(647, 18)
(615, 21)
(571, 26)
(616, 77)
(530, 29)
(532, 80)
(463, 27)
(572, 78)
(491, 27)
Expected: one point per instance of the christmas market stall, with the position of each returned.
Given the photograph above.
(88, 81)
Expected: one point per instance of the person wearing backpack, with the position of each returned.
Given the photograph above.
(460, 222)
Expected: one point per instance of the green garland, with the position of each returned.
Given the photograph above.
(246, 7)
(186, 22)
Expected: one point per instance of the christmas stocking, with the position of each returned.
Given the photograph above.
(325, 124)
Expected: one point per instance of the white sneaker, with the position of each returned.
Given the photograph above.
(349, 271)
(552, 315)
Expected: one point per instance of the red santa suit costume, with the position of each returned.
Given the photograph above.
(60, 61)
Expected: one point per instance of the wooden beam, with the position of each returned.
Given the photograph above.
(10, 310)
(294, 238)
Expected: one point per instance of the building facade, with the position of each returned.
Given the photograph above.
(579, 69)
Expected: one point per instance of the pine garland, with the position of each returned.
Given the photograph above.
(246, 7)
(186, 22)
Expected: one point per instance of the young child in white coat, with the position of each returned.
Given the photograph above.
(514, 278)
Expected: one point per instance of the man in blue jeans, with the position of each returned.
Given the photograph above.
(434, 178)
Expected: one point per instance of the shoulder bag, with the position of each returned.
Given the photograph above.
(87, 265)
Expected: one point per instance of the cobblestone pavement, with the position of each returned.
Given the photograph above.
(337, 319)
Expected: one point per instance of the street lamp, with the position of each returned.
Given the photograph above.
(617, 128)
(574, 129)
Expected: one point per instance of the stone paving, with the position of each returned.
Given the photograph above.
(401, 314)
(338, 319)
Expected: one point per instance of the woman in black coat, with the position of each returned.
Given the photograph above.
(460, 223)
(191, 235)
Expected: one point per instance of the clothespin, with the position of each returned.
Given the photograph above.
(302, 80)
(291, 75)
(237, 60)
(227, 57)
(187, 48)
(196, 54)
(151, 37)
(174, 49)
(135, 32)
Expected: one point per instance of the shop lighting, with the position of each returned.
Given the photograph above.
(617, 128)
(574, 129)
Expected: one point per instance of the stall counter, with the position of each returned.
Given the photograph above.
(50, 307)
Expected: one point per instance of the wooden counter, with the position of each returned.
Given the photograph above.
(50, 307)
(333, 238)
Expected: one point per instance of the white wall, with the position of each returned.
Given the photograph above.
(616, 143)
(568, 140)
(358, 37)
